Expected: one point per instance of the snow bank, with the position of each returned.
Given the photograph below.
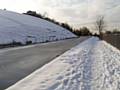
(22, 28)
(92, 65)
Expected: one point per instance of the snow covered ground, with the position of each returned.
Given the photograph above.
(22, 28)
(92, 65)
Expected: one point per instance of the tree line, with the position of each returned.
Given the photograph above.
(84, 31)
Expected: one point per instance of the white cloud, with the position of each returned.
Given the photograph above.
(18, 5)
(75, 12)
(78, 12)
(71, 11)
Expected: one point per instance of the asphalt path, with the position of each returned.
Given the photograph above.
(17, 63)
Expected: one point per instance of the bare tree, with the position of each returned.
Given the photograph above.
(45, 14)
(100, 25)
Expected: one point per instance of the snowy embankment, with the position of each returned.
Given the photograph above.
(15, 27)
(92, 65)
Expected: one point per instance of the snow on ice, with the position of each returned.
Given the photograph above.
(92, 65)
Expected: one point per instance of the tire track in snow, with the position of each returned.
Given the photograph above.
(80, 74)
(92, 65)
(89, 69)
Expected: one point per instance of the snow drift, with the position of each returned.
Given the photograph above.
(22, 28)
(92, 65)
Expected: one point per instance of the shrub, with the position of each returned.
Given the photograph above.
(28, 42)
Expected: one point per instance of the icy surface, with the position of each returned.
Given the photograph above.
(22, 28)
(92, 65)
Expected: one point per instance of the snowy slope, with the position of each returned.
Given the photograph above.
(92, 65)
(22, 28)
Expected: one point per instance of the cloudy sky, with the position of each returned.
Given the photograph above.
(74, 12)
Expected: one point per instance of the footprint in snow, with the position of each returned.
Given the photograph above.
(60, 78)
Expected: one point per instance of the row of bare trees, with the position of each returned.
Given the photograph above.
(99, 24)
